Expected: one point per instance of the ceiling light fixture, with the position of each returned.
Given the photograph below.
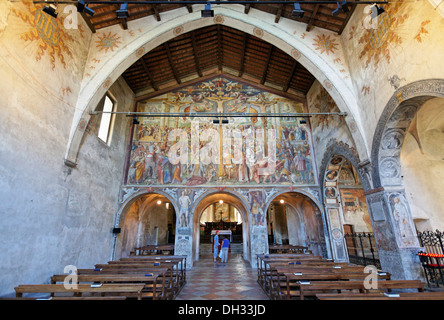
(342, 7)
(123, 13)
(207, 12)
(82, 7)
(51, 9)
(297, 11)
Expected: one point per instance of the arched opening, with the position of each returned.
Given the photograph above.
(293, 218)
(150, 220)
(423, 147)
(220, 216)
(219, 201)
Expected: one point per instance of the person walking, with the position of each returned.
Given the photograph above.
(216, 246)
(224, 249)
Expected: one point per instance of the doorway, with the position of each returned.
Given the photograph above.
(221, 211)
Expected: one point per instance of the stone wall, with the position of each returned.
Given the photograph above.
(52, 215)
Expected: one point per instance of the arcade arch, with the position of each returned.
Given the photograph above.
(236, 201)
(145, 219)
(294, 218)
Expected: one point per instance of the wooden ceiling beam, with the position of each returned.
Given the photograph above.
(242, 62)
(196, 59)
(267, 64)
(150, 76)
(279, 13)
(312, 17)
(88, 22)
(219, 47)
(170, 59)
(156, 12)
(293, 70)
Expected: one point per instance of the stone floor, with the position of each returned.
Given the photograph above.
(234, 280)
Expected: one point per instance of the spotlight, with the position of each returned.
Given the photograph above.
(221, 201)
(123, 13)
(297, 11)
(51, 9)
(376, 11)
(342, 7)
(207, 12)
(81, 7)
(135, 121)
(159, 202)
(281, 201)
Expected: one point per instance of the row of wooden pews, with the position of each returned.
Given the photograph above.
(162, 249)
(138, 277)
(306, 276)
(287, 248)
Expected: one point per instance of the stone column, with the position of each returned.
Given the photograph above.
(394, 232)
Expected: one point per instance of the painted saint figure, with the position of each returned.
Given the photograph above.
(184, 203)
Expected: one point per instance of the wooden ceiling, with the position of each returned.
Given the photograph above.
(316, 15)
(219, 49)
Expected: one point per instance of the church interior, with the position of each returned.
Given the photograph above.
(310, 134)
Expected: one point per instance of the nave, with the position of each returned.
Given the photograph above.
(234, 280)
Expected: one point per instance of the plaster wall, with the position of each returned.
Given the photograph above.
(407, 48)
(422, 166)
(48, 220)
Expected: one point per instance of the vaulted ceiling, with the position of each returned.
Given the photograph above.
(219, 49)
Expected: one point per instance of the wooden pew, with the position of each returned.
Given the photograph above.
(286, 248)
(277, 272)
(292, 279)
(318, 287)
(266, 274)
(168, 278)
(153, 249)
(381, 296)
(153, 289)
(127, 290)
(141, 266)
(180, 259)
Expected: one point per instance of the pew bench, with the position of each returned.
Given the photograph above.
(155, 287)
(290, 287)
(127, 290)
(382, 296)
(319, 287)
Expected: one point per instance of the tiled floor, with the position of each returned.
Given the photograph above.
(234, 280)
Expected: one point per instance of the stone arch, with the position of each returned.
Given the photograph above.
(125, 207)
(313, 225)
(387, 200)
(392, 125)
(92, 90)
(228, 196)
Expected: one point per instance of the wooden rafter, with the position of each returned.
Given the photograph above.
(150, 77)
(242, 62)
(267, 65)
(312, 18)
(170, 60)
(196, 59)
